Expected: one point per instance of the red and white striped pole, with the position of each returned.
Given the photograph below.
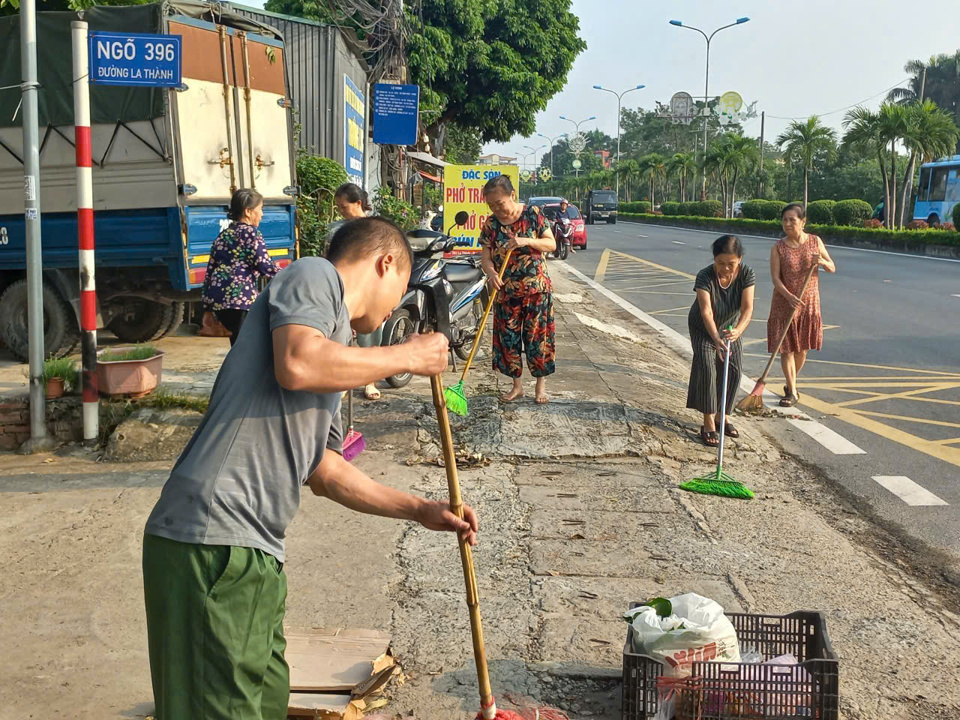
(88, 288)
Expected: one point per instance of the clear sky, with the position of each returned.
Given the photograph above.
(794, 58)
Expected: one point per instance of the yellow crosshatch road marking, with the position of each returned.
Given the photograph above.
(909, 394)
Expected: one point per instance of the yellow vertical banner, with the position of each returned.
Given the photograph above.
(463, 191)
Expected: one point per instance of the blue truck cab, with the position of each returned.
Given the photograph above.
(166, 162)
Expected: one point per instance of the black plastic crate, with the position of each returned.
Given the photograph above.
(730, 691)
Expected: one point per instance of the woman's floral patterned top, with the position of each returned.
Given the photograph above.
(527, 271)
(238, 259)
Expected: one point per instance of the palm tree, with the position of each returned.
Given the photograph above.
(930, 133)
(892, 126)
(807, 141)
(863, 132)
(653, 167)
(681, 165)
(937, 80)
(629, 171)
(728, 158)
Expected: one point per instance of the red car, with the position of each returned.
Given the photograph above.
(579, 239)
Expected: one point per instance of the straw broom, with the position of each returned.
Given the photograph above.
(488, 705)
(753, 402)
(456, 400)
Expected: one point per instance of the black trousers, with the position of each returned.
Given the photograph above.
(232, 320)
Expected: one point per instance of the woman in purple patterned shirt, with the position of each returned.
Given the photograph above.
(238, 259)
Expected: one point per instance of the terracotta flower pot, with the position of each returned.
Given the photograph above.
(54, 388)
(129, 377)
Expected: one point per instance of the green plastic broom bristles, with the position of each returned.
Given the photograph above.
(456, 400)
(720, 484)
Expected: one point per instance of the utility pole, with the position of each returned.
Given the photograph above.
(31, 209)
(763, 120)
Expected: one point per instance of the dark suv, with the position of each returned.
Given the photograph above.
(601, 205)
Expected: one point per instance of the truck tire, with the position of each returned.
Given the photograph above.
(175, 320)
(142, 321)
(60, 332)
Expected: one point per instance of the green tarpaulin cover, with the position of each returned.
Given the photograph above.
(109, 104)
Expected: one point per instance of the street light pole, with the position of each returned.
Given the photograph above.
(706, 85)
(619, 97)
(577, 126)
(535, 151)
(553, 141)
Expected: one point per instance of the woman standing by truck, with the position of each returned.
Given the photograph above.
(238, 258)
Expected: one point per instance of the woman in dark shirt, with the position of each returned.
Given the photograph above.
(238, 259)
(724, 298)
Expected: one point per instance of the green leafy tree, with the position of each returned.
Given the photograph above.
(492, 65)
(463, 145)
(683, 165)
(654, 168)
(929, 133)
(863, 131)
(937, 80)
(319, 178)
(629, 172)
(804, 141)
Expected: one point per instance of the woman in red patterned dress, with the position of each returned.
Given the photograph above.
(790, 261)
(523, 314)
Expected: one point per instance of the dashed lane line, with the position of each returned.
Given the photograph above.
(908, 491)
(832, 441)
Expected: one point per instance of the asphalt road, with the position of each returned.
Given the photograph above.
(887, 379)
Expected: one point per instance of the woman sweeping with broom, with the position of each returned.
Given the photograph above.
(794, 319)
(724, 300)
(518, 236)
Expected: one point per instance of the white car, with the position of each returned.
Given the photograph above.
(738, 209)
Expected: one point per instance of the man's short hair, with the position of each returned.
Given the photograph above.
(368, 237)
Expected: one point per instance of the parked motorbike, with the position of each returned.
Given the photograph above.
(563, 232)
(443, 296)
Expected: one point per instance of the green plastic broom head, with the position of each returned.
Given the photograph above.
(456, 400)
(719, 484)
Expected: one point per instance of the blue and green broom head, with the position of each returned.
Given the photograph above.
(456, 400)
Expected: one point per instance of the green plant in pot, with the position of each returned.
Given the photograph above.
(59, 376)
(133, 371)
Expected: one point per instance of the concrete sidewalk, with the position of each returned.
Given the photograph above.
(580, 515)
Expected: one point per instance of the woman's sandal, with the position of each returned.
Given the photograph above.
(370, 392)
(789, 399)
(709, 438)
(730, 431)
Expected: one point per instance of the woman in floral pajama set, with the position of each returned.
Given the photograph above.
(523, 315)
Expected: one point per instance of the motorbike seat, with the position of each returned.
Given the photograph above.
(462, 272)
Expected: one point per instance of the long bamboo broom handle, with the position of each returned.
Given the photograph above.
(466, 555)
(486, 314)
(786, 328)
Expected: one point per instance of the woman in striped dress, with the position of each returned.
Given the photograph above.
(724, 298)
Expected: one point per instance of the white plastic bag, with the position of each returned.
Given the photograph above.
(694, 629)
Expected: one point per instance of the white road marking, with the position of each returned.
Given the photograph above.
(956, 295)
(682, 346)
(677, 242)
(838, 247)
(643, 236)
(908, 491)
(834, 442)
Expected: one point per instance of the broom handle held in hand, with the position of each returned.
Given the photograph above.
(786, 328)
(723, 405)
(486, 314)
(466, 554)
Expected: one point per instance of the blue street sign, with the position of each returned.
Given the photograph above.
(395, 114)
(135, 59)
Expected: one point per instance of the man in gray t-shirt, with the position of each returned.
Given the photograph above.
(213, 551)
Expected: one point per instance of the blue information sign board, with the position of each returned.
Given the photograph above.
(395, 114)
(135, 59)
